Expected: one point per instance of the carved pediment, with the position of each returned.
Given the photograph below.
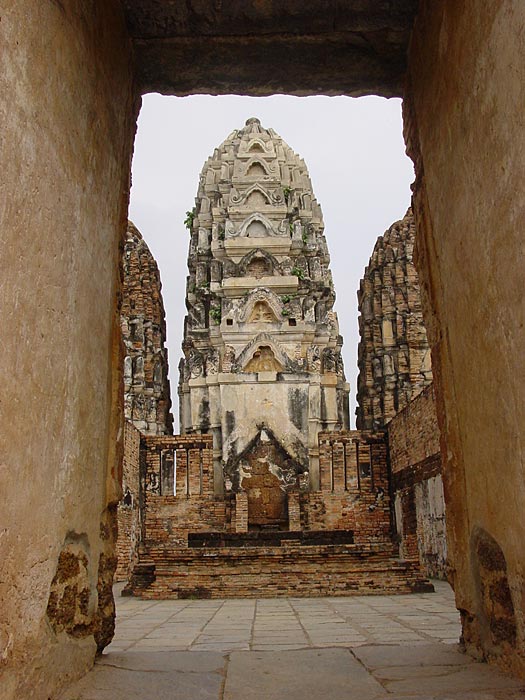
(256, 169)
(255, 196)
(262, 313)
(257, 225)
(258, 263)
(259, 168)
(266, 354)
(263, 360)
(256, 146)
(263, 295)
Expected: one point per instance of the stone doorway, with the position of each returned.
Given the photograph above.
(266, 473)
(267, 498)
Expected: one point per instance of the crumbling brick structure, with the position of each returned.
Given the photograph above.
(395, 393)
(415, 460)
(394, 355)
(147, 399)
(336, 540)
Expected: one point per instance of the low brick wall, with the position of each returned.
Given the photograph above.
(263, 572)
(354, 489)
(417, 486)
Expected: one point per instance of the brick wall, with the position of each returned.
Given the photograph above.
(177, 483)
(413, 434)
(177, 480)
(413, 437)
(354, 489)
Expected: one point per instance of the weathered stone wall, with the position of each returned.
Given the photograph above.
(67, 119)
(464, 126)
(415, 460)
(147, 399)
(394, 355)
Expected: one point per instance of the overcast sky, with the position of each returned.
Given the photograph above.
(355, 154)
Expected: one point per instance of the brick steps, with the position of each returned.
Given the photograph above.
(305, 571)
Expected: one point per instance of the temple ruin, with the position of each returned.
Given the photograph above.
(147, 399)
(71, 83)
(394, 354)
(265, 475)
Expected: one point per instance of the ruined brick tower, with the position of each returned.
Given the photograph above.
(262, 369)
(147, 399)
(394, 354)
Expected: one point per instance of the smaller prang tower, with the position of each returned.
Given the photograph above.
(394, 354)
(262, 369)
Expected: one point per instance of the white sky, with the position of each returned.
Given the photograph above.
(355, 154)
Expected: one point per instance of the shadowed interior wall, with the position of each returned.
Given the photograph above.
(464, 125)
(67, 118)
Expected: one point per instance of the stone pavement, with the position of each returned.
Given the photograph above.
(357, 648)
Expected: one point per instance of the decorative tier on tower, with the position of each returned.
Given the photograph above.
(262, 369)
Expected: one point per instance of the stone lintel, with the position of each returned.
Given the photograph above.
(234, 286)
(254, 378)
(335, 63)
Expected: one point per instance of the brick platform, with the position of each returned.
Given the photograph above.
(266, 572)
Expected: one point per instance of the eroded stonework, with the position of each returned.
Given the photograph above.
(240, 39)
(417, 484)
(147, 399)
(262, 350)
(395, 392)
(394, 355)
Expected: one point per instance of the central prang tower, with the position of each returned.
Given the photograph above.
(262, 369)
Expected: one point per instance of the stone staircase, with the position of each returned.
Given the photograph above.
(259, 571)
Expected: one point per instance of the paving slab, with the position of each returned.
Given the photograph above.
(295, 675)
(383, 656)
(440, 680)
(156, 676)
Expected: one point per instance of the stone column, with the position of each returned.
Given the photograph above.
(241, 512)
(294, 511)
